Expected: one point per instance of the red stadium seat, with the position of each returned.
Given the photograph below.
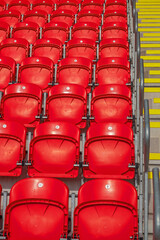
(113, 71)
(75, 71)
(115, 16)
(58, 30)
(51, 48)
(111, 103)
(20, 5)
(67, 103)
(44, 5)
(116, 5)
(10, 16)
(38, 209)
(109, 151)
(4, 31)
(90, 16)
(2, 5)
(107, 209)
(7, 71)
(71, 5)
(12, 148)
(37, 70)
(16, 48)
(86, 30)
(7, 1)
(93, 5)
(26, 30)
(22, 103)
(65, 16)
(37, 16)
(59, 141)
(115, 30)
(81, 47)
(114, 47)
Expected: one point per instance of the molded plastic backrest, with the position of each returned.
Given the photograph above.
(65, 16)
(20, 5)
(10, 16)
(40, 188)
(38, 16)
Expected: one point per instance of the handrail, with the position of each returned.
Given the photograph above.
(146, 134)
(138, 50)
(135, 21)
(146, 163)
(156, 204)
(141, 87)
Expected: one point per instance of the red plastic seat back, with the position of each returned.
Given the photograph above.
(51, 48)
(85, 30)
(81, 47)
(115, 16)
(56, 30)
(37, 70)
(37, 16)
(105, 201)
(16, 48)
(60, 143)
(116, 47)
(115, 30)
(111, 103)
(12, 148)
(4, 30)
(92, 5)
(109, 151)
(67, 103)
(19, 5)
(65, 16)
(113, 71)
(75, 71)
(10, 17)
(90, 16)
(22, 103)
(44, 203)
(7, 73)
(26, 30)
(70, 5)
(44, 5)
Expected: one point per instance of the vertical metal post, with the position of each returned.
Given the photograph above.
(55, 73)
(30, 52)
(72, 211)
(64, 51)
(17, 72)
(28, 144)
(44, 103)
(5, 194)
(141, 180)
(146, 200)
(40, 32)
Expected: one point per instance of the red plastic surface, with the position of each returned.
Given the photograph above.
(22, 103)
(58, 30)
(4, 30)
(37, 70)
(93, 5)
(115, 30)
(75, 71)
(37, 16)
(113, 71)
(114, 47)
(54, 150)
(85, 30)
(111, 103)
(115, 16)
(109, 151)
(2, 5)
(12, 148)
(70, 5)
(65, 16)
(10, 16)
(112, 209)
(16, 48)
(81, 47)
(44, 5)
(38, 209)
(67, 103)
(19, 5)
(51, 48)
(26, 30)
(7, 72)
(90, 16)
